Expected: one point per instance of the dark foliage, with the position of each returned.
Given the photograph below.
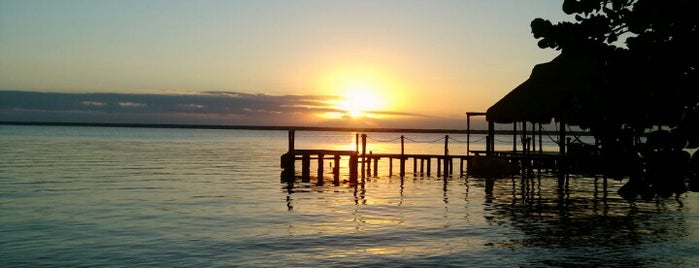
(648, 53)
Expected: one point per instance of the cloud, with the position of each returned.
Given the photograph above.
(131, 104)
(206, 107)
(202, 103)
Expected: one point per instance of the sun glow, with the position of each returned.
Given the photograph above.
(360, 92)
(360, 101)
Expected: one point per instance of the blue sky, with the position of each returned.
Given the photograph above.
(419, 59)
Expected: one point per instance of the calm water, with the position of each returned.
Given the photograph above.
(128, 197)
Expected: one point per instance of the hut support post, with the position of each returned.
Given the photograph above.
(468, 134)
(541, 150)
(524, 137)
(533, 136)
(562, 170)
(514, 136)
(490, 146)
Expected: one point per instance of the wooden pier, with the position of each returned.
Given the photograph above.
(362, 164)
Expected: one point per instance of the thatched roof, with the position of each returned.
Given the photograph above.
(551, 92)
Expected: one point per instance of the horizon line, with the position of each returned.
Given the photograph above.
(264, 127)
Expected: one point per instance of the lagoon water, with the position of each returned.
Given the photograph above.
(144, 197)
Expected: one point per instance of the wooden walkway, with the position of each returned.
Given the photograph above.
(362, 165)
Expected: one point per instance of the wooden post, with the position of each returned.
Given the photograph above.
(422, 166)
(524, 136)
(487, 145)
(306, 168)
(562, 138)
(390, 166)
(439, 167)
(490, 148)
(356, 142)
(562, 170)
(291, 139)
(376, 166)
(320, 168)
(447, 165)
(514, 136)
(461, 166)
(336, 169)
(353, 168)
(363, 154)
(402, 156)
(533, 136)
(468, 129)
(429, 166)
(288, 167)
(541, 150)
(368, 164)
(468, 134)
(414, 166)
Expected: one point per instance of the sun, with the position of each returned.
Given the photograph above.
(360, 100)
(359, 92)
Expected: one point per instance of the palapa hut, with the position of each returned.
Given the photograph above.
(554, 91)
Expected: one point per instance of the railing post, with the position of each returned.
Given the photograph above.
(291, 139)
(363, 154)
(402, 156)
(446, 156)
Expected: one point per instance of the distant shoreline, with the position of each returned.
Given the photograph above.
(286, 128)
(243, 127)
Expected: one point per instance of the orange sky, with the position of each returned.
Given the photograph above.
(408, 61)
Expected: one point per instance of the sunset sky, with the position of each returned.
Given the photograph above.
(415, 64)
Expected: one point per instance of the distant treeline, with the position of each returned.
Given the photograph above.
(299, 128)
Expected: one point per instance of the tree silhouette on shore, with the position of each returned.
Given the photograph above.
(648, 53)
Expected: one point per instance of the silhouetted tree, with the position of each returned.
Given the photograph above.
(648, 51)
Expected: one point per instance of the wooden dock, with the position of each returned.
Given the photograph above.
(362, 164)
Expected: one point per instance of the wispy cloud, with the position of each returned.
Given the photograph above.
(210, 102)
(206, 107)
